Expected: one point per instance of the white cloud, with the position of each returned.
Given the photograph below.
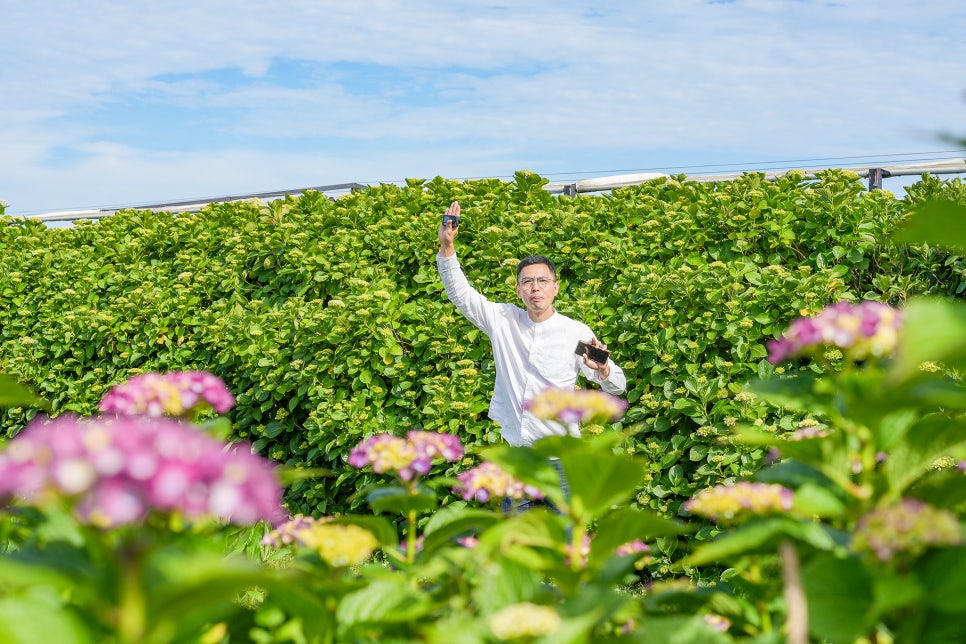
(109, 103)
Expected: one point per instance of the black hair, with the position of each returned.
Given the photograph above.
(532, 260)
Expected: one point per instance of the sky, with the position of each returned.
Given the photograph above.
(124, 103)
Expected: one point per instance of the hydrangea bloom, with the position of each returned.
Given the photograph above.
(287, 533)
(731, 502)
(407, 456)
(861, 331)
(909, 527)
(178, 393)
(488, 480)
(339, 545)
(117, 470)
(576, 406)
(524, 620)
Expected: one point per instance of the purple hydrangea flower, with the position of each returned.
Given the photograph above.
(576, 406)
(864, 330)
(177, 393)
(908, 527)
(488, 480)
(117, 470)
(407, 456)
(732, 502)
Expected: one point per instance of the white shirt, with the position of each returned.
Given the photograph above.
(530, 356)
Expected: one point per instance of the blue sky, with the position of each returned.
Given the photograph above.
(124, 103)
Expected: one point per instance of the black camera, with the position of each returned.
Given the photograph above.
(596, 354)
(451, 219)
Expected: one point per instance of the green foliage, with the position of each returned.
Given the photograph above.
(327, 319)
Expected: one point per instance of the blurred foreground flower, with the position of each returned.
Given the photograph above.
(524, 620)
(576, 406)
(861, 331)
(287, 533)
(179, 393)
(339, 545)
(909, 527)
(733, 502)
(116, 470)
(488, 480)
(406, 456)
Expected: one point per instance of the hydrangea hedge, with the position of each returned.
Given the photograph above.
(328, 322)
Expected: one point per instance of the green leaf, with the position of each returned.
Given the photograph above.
(389, 601)
(761, 535)
(599, 480)
(627, 524)
(943, 574)
(13, 394)
(938, 223)
(28, 620)
(927, 441)
(383, 530)
(840, 598)
(933, 330)
(454, 521)
(400, 501)
(508, 582)
(795, 393)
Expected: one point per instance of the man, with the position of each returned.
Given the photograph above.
(533, 348)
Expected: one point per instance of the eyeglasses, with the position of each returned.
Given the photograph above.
(539, 282)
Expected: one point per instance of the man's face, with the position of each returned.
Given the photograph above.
(537, 287)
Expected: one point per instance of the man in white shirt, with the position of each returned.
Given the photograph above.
(533, 347)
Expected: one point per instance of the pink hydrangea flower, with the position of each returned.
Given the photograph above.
(864, 330)
(407, 456)
(488, 480)
(733, 502)
(177, 393)
(909, 527)
(117, 470)
(576, 406)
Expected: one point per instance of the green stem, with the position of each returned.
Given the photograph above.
(132, 609)
(411, 538)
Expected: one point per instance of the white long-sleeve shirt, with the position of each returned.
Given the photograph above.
(530, 356)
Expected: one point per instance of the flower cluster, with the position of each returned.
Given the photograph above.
(288, 533)
(525, 619)
(731, 502)
(117, 470)
(339, 545)
(488, 480)
(407, 456)
(576, 406)
(909, 527)
(179, 393)
(861, 331)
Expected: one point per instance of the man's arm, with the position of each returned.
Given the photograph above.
(470, 302)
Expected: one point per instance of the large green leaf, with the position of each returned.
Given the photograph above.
(383, 530)
(400, 501)
(14, 394)
(760, 535)
(840, 598)
(933, 330)
(598, 480)
(29, 620)
(452, 522)
(943, 574)
(391, 600)
(938, 223)
(627, 524)
(926, 442)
